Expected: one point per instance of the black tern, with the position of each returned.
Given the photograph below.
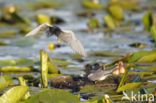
(65, 35)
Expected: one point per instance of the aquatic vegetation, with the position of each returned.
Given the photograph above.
(44, 69)
(49, 95)
(93, 23)
(110, 22)
(91, 5)
(9, 97)
(112, 34)
(10, 15)
(8, 34)
(127, 5)
(3, 83)
(153, 32)
(116, 11)
(42, 18)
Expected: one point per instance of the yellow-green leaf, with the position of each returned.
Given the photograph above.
(14, 95)
(44, 68)
(129, 86)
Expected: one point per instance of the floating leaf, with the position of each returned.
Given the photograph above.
(22, 82)
(54, 75)
(43, 4)
(89, 89)
(60, 62)
(147, 21)
(25, 62)
(76, 56)
(116, 11)
(93, 23)
(7, 63)
(143, 56)
(109, 21)
(52, 68)
(106, 54)
(146, 73)
(8, 34)
(14, 95)
(153, 32)
(129, 86)
(127, 5)
(3, 83)
(15, 69)
(53, 95)
(42, 18)
(91, 5)
(96, 99)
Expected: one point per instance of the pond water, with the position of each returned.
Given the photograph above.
(117, 42)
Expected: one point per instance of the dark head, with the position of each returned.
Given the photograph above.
(88, 69)
(54, 31)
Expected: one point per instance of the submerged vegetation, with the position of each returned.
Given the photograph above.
(121, 62)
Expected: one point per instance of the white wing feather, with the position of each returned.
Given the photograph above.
(71, 40)
(40, 28)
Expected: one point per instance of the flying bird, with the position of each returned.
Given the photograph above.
(65, 35)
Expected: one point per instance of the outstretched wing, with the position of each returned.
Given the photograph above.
(70, 38)
(40, 28)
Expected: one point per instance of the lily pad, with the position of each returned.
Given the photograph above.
(22, 82)
(106, 54)
(53, 95)
(3, 83)
(109, 21)
(89, 89)
(91, 5)
(14, 95)
(94, 23)
(116, 11)
(127, 5)
(129, 86)
(25, 62)
(15, 69)
(42, 18)
(96, 99)
(44, 4)
(52, 68)
(147, 20)
(53, 75)
(7, 63)
(60, 62)
(143, 56)
(8, 34)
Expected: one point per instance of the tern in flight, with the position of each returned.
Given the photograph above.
(65, 35)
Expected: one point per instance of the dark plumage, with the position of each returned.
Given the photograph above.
(53, 31)
(65, 35)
